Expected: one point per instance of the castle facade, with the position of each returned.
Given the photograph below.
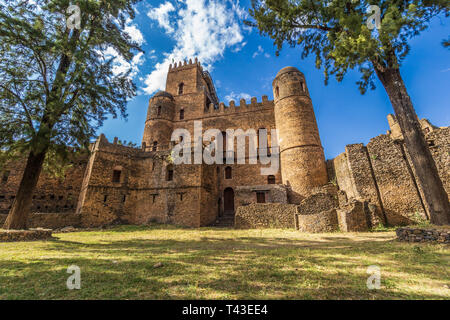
(362, 187)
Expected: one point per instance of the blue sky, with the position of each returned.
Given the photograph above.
(243, 64)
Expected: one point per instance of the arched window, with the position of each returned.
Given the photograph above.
(271, 179)
(159, 111)
(228, 173)
(182, 114)
(181, 88)
(116, 176)
(155, 146)
(169, 174)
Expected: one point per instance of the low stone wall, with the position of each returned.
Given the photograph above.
(25, 235)
(352, 217)
(423, 235)
(325, 221)
(265, 215)
(49, 220)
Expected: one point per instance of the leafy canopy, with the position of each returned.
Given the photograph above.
(57, 84)
(336, 32)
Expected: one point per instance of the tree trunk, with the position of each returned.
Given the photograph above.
(18, 215)
(434, 196)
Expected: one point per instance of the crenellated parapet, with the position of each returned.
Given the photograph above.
(243, 106)
(183, 65)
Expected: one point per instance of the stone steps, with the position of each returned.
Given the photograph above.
(224, 221)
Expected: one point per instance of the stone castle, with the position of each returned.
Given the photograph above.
(115, 184)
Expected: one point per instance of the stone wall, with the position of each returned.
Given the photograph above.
(423, 235)
(52, 194)
(265, 215)
(274, 193)
(382, 175)
(50, 220)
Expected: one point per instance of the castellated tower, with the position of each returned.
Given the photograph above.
(159, 122)
(302, 159)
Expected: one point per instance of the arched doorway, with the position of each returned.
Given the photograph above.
(228, 201)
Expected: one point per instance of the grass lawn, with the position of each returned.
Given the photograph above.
(210, 263)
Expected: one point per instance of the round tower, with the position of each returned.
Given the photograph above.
(159, 123)
(302, 159)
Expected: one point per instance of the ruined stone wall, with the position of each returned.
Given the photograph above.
(439, 144)
(381, 173)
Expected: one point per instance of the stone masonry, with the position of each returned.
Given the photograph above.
(114, 184)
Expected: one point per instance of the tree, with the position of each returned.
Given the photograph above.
(57, 82)
(337, 33)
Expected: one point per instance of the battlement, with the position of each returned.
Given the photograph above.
(183, 65)
(243, 106)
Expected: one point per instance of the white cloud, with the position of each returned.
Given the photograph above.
(161, 14)
(237, 97)
(121, 66)
(134, 33)
(202, 29)
(259, 52)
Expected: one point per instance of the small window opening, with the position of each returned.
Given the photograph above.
(277, 92)
(116, 176)
(261, 197)
(155, 146)
(170, 173)
(271, 179)
(228, 173)
(182, 114)
(124, 198)
(105, 198)
(154, 197)
(5, 176)
(159, 111)
(181, 88)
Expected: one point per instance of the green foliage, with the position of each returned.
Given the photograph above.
(127, 143)
(335, 31)
(56, 85)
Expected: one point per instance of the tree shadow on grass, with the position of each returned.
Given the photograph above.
(223, 268)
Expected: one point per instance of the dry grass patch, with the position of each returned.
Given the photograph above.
(210, 263)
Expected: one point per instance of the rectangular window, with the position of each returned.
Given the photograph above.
(116, 176)
(169, 175)
(261, 197)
